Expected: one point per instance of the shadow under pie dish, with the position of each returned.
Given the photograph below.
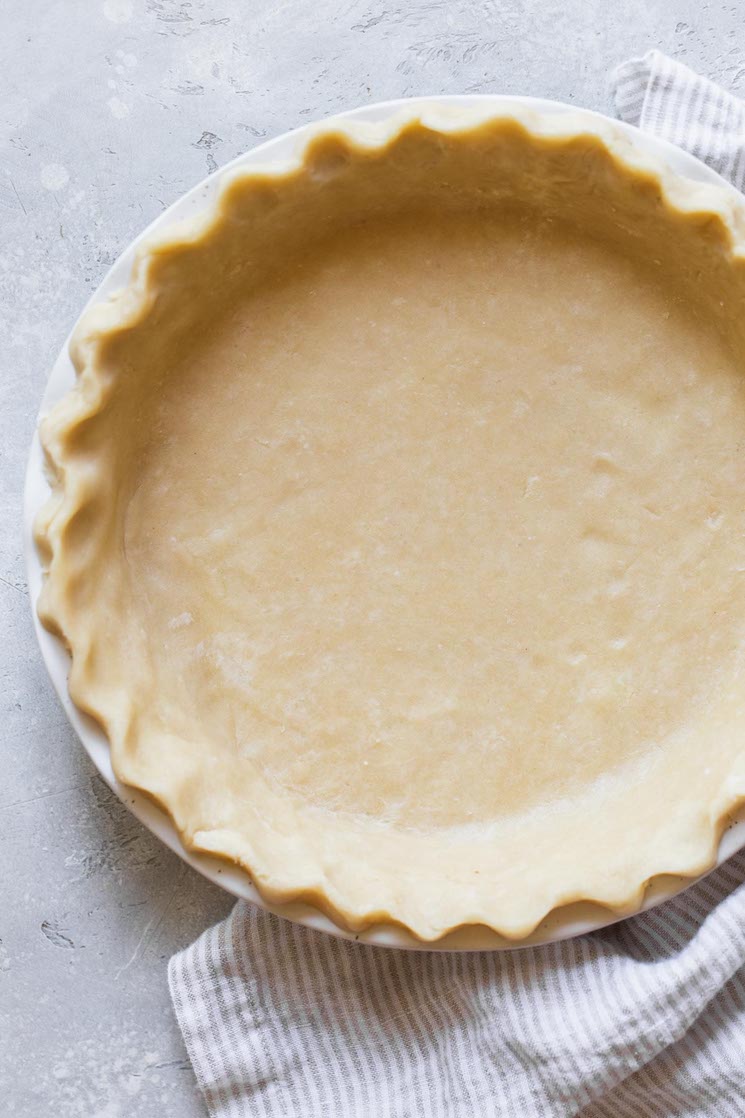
(396, 529)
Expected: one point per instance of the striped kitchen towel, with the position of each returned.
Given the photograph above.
(665, 98)
(645, 1019)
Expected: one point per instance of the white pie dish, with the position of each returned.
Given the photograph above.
(561, 924)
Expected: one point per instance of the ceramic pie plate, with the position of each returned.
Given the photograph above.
(564, 920)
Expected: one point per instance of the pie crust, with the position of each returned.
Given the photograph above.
(396, 528)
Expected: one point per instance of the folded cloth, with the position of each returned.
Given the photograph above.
(645, 1019)
(664, 97)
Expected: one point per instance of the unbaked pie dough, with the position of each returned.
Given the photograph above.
(398, 522)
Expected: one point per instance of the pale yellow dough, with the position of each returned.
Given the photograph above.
(398, 529)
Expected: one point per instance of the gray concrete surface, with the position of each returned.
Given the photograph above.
(109, 109)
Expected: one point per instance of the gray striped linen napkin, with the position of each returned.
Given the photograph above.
(642, 1020)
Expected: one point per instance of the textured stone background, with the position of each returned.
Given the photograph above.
(109, 110)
